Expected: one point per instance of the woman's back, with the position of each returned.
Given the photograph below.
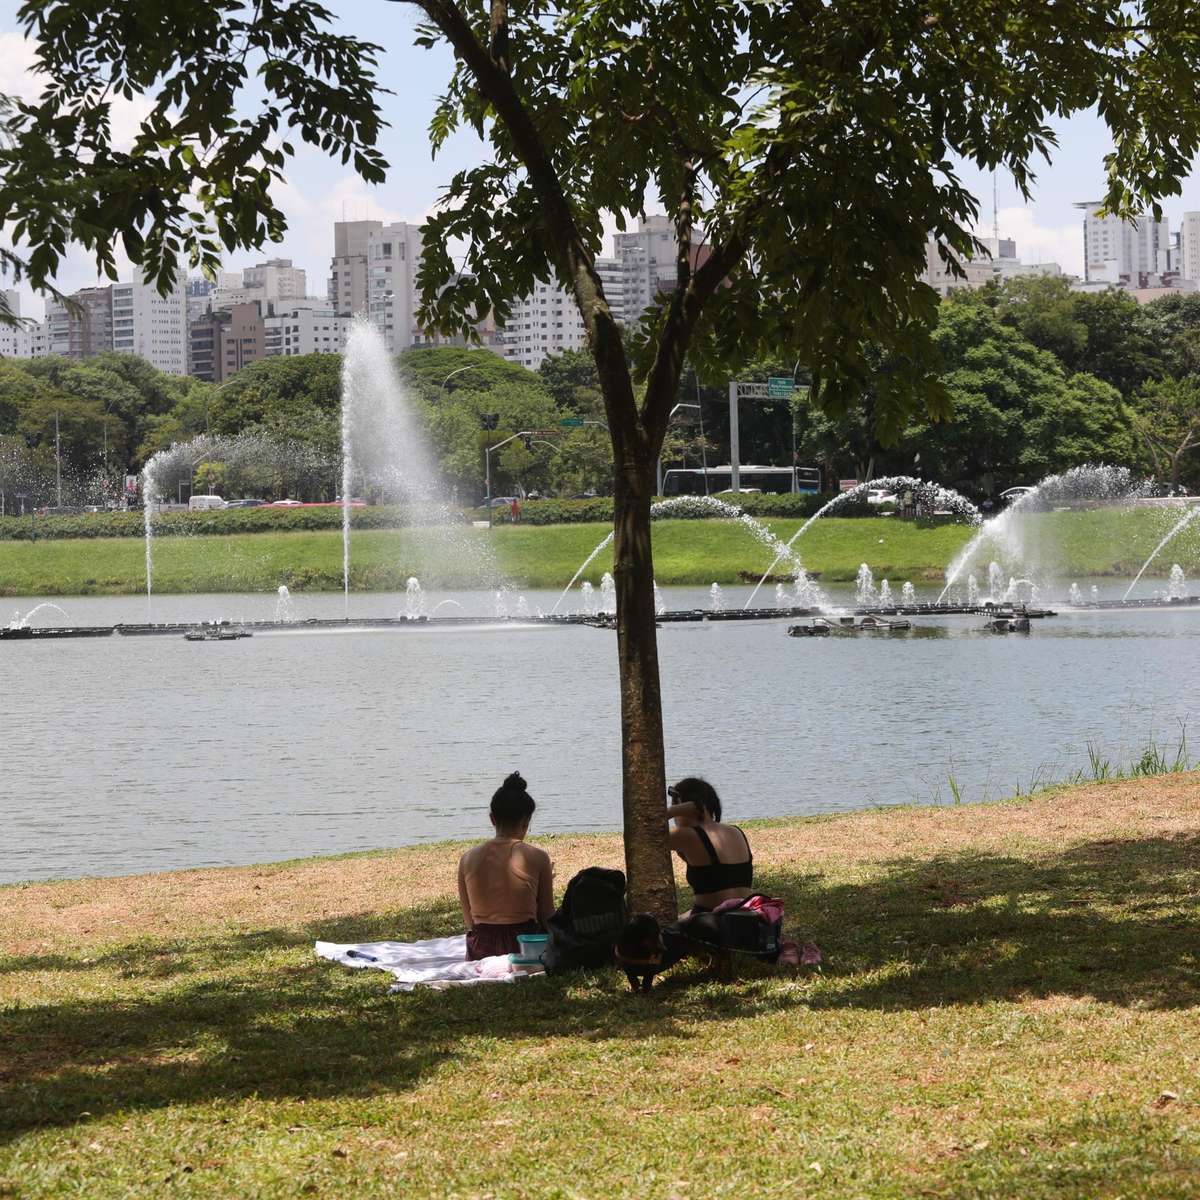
(502, 881)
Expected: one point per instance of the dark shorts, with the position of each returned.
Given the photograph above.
(485, 941)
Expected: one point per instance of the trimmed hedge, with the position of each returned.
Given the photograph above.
(301, 520)
(600, 509)
(211, 522)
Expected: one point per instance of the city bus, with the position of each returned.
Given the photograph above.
(688, 481)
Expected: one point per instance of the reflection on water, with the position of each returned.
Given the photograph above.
(130, 755)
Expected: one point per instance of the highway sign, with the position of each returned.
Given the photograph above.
(780, 387)
(571, 422)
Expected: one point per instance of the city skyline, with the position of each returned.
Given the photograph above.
(317, 192)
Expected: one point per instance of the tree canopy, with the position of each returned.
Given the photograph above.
(803, 152)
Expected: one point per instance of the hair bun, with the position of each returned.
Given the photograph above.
(514, 783)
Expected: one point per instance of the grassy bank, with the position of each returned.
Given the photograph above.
(1007, 1008)
(1077, 544)
(686, 552)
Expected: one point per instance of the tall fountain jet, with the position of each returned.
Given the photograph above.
(384, 449)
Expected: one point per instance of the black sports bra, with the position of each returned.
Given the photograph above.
(716, 876)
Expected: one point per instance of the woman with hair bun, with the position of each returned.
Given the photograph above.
(506, 887)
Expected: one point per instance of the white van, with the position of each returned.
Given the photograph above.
(199, 503)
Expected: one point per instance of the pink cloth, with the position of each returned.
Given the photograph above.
(769, 909)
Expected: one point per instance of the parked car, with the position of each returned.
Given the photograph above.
(245, 504)
(504, 501)
(203, 503)
(880, 496)
(286, 504)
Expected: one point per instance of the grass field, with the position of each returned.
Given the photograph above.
(1078, 544)
(1007, 1008)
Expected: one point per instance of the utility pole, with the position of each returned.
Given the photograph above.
(57, 462)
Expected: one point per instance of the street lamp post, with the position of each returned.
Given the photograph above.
(529, 435)
(459, 371)
(658, 474)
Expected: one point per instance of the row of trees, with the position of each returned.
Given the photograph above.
(1040, 378)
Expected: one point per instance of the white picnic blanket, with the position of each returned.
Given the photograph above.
(435, 962)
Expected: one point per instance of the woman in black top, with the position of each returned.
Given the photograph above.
(720, 865)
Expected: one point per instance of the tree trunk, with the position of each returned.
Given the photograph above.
(644, 790)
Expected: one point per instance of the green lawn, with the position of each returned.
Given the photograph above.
(1076, 544)
(1008, 1008)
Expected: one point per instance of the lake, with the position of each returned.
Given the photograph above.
(126, 755)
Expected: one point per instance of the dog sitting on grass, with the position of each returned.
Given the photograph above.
(639, 951)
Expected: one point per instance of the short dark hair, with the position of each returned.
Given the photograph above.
(511, 803)
(699, 792)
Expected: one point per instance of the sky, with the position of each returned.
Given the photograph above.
(319, 191)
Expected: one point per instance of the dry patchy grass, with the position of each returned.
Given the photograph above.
(1008, 1007)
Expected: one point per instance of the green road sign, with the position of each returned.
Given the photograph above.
(571, 422)
(780, 387)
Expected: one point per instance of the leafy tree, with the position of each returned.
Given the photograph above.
(1018, 416)
(1167, 417)
(815, 175)
(570, 377)
(1042, 310)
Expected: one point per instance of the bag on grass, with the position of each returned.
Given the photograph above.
(585, 928)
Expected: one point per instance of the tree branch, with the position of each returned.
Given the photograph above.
(575, 260)
(686, 306)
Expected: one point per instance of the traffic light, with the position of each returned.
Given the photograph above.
(528, 441)
(489, 420)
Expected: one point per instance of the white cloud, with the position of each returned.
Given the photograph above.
(1038, 243)
(17, 75)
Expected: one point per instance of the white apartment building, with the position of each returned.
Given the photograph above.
(545, 322)
(1189, 247)
(648, 266)
(1113, 248)
(348, 267)
(308, 327)
(393, 257)
(15, 340)
(151, 326)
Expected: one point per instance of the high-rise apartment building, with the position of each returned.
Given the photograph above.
(270, 283)
(85, 329)
(547, 321)
(373, 273)
(1189, 247)
(222, 342)
(648, 264)
(1115, 250)
(348, 268)
(150, 325)
(14, 339)
(1002, 264)
(393, 259)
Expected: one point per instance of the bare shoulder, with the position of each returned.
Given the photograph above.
(467, 858)
(534, 855)
(682, 839)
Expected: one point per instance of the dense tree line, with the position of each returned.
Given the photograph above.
(1041, 379)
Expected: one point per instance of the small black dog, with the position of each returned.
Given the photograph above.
(639, 950)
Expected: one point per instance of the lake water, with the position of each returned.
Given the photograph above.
(125, 755)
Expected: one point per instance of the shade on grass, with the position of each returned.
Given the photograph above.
(1007, 1008)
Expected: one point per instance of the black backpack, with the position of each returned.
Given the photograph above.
(585, 928)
